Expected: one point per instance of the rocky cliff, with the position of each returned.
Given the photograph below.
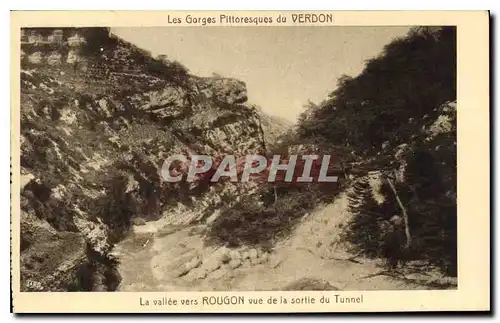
(95, 130)
(274, 127)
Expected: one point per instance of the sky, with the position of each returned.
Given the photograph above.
(283, 67)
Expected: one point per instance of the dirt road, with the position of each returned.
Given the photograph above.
(163, 257)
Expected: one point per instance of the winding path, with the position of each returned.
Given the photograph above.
(162, 257)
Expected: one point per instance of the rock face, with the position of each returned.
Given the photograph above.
(229, 90)
(46, 252)
(274, 127)
(92, 144)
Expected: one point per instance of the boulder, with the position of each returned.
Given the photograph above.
(255, 261)
(36, 58)
(245, 255)
(223, 254)
(138, 221)
(55, 58)
(195, 262)
(188, 266)
(235, 263)
(196, 274)
(235, 255)
(253, 253)
(264, 256)
(211, 264)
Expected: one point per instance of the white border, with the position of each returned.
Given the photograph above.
(184, 5)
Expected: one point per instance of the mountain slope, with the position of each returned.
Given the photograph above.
(97, 120)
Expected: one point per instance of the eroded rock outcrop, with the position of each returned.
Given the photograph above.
(92, 146)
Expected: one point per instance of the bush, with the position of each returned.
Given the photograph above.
(170, 71)
(262, 219)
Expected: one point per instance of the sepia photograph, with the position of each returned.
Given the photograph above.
(229, 155)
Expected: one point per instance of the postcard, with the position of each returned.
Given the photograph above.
(250, 161)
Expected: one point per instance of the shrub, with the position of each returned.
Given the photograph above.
(173, 71)
(116, 207)
(264, 218)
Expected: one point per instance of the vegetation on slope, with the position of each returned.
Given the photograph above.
(398, 116)
(275, 208)
(395, 120)
(93, 139)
